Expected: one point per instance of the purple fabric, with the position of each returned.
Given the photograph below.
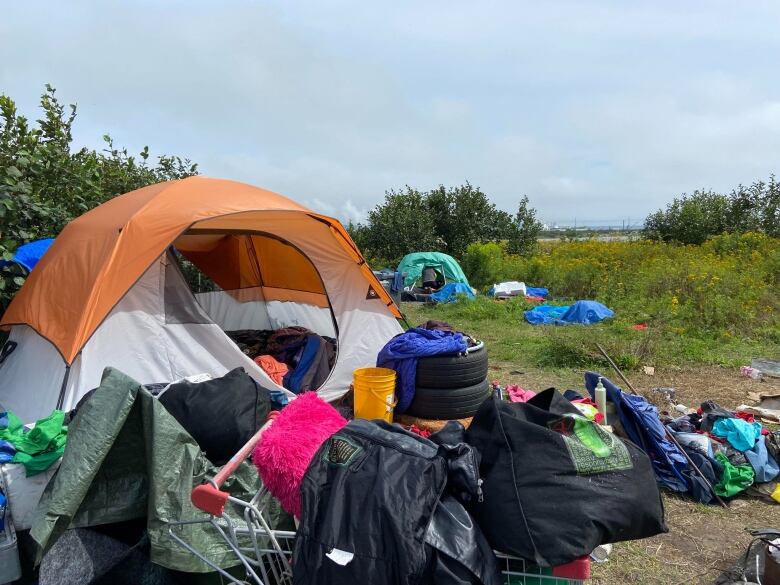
(402, 352)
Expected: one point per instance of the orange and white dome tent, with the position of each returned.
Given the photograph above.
(110, 293)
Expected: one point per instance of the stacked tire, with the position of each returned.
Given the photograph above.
(451, 386)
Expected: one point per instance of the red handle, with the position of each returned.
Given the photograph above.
(208, 497)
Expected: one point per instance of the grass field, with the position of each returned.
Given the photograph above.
(696, 344)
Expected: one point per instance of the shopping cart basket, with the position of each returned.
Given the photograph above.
(266, 554)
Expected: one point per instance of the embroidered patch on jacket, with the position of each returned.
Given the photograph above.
(341, 451)
(591, 448)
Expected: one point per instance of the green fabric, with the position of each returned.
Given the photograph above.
(127, 457)
(414, 263)
(38, 448)
(735, 478)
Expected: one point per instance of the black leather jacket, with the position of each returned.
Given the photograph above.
(383, 506)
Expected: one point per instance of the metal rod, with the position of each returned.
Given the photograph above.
(666, 430)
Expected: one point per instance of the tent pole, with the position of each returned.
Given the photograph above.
(61, 399)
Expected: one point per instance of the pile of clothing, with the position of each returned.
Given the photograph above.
(734, 450)
(293, 357)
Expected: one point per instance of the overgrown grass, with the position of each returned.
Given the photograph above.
(715, 304)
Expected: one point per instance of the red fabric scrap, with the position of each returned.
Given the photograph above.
(639, 327)
(418, 431)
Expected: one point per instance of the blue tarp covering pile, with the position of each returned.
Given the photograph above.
(582, 312)
(28, 255)
(449, 292)
(534, 291)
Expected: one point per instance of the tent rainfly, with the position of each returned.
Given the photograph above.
(109, 292)
(413, 265)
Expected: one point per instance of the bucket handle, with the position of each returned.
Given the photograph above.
(376, 392)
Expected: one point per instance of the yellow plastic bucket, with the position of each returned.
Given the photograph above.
(374, 393)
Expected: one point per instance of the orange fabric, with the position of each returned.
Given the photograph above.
(99, 256)
(275, 369)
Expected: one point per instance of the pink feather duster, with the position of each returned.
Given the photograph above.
(288, 445)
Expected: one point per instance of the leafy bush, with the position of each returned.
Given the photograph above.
(692, 219)
(44, 182)
(483, 263)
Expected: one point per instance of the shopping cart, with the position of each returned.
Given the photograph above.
(266, 554)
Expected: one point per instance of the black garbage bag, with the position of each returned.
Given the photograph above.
(220, 414)
(557, 485)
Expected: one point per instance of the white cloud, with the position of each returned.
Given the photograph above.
(591, 109)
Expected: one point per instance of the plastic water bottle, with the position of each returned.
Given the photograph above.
(601, 401)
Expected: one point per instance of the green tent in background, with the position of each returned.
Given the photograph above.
(413, 264)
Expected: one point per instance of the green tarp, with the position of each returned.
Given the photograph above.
(127, 458)
(414, 263)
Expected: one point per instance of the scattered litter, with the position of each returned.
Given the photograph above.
(750, 372)
(601, 553)
(648, 370)
(639, 327)
(667, 393)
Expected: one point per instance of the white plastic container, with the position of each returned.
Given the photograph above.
(601, 401)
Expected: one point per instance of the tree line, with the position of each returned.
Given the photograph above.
(445, 219)
(694, 218)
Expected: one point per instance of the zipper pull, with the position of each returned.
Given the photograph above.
(480, 495)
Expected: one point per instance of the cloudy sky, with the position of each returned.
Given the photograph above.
(599, 111)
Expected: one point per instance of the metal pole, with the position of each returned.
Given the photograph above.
(666, 430)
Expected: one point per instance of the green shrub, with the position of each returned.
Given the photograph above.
(483, 263)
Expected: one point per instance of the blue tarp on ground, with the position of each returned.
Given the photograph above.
(582, 312)
(28, 255)
(533, 291)
(642, 425)
(449, 292)
(401, 354)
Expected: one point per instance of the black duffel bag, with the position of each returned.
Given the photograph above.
(221, 414)
(557, 485)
